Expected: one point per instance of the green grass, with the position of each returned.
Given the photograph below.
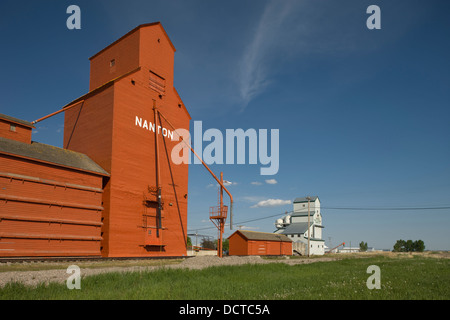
(401, 278)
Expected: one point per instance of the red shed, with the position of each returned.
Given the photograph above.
(247, 243)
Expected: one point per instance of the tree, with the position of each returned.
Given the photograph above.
(419, 246)
(226, 245)
(399, 246)
(409, 246)
(207, 244)
(363, 246)
(189, 242)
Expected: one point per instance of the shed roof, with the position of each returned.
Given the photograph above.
(303, 213)
(296, 228)
(46, 153)
(15, 120)
(254, 235)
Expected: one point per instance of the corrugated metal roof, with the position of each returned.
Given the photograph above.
(254, 235)
(303, 199)
(47, 153)
(303, 213)
(296, 228)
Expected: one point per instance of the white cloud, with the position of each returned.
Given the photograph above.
(256, 183)
(271, 181)
(251, 199)
(225, 183)
(246, 228)
(271, 203)
(255, 77)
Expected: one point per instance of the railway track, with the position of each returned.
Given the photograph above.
(84, 259)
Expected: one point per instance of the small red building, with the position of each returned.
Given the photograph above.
(248, 243)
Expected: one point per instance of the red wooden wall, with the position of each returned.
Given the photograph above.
(242, 246)
(48, 210)
(104, 127)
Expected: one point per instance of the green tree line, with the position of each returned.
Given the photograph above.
(409, 246)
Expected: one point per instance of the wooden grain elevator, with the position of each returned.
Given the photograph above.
(115, 162)
(116, 125)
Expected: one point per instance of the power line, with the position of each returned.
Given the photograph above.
(340, 208)
(385, 208)
(262, 218)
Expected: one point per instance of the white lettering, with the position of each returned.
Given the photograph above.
(273, 160)
(181, 148)
(198, 148)
(74, 281)
(374, 21)
(216, 146)
(213, 153)
(138, 121)
(196, 310)
(245, 309)
(74, 21)
(240, 135)
(374, 281)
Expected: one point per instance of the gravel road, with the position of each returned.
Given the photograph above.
(32, 278)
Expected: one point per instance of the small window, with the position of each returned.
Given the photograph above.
(112, 63)
(12, 127)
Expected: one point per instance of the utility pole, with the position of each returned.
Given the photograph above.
(309, 236)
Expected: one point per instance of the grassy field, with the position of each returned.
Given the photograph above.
(414, 277)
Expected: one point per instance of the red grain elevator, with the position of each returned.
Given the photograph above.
(116, 125)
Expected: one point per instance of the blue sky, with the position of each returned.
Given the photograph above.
(363, 114)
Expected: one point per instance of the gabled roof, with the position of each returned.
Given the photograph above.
(134, 30)
(50, 154)
(303, 199)
(254, 235)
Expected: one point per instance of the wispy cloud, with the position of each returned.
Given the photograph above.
(256, 183)
(225, 183)
(251, 199)
(255, 77)
(271, 203)
(242, 227)
(271, 181)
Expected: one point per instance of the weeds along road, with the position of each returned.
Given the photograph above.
(32, 274)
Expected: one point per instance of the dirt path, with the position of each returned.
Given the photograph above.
(32, 278)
